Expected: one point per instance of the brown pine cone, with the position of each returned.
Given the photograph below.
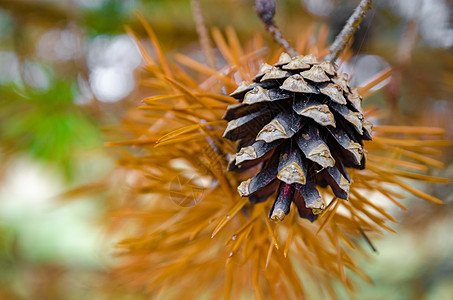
(302, 126)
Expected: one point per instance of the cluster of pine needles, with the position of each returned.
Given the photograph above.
(190, 234)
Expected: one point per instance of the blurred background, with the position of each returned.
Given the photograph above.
(69, 73)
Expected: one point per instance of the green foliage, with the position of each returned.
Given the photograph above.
(46, 124)
(107, 19)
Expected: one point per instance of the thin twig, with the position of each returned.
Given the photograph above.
(205, 41)
(266, 11)
(278, 37)
(348, 31)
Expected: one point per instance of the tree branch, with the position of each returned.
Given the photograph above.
(266, 11)
(348, 31)
(278, 37)
(203, 35)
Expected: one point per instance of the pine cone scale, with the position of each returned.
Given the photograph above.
(256, 150)
(314, 147)
(282, 203)
(260, 180)
(241, 127)
(291, 168)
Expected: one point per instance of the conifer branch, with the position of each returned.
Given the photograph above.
(348, 31)
(205, 41)
(266, 11)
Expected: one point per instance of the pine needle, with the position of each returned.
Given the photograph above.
(236, 208)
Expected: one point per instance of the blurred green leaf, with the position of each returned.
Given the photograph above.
(47, 124)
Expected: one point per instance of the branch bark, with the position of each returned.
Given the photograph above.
(266, 11)
(205, 41)
(343, 38)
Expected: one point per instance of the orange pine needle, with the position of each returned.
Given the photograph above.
(409, 130)
(373, 166)
(187, 129)
(148, 60)
(412, 142)
(239, 205)
(365, 88)
(409, 188)
(330, 216)
(195, 65)
(271, 231)
(396, 162)
(156, 44)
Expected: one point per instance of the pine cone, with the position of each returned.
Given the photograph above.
(301, 125)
